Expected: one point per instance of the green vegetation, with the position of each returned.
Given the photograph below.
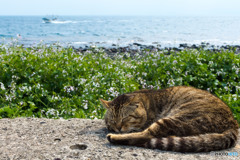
(58, 82)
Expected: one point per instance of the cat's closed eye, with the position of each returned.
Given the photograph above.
(133, 116)
(130, 119)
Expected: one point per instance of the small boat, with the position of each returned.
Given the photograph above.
(47, 20)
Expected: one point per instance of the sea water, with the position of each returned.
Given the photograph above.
(120, 30)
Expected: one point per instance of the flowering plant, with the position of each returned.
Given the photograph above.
(57, 82)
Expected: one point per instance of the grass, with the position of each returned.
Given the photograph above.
(57, 82)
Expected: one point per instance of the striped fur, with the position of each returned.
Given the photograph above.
(182, 119)
(200, 143)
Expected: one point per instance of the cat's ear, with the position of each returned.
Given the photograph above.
(130, 96)
(105, 103)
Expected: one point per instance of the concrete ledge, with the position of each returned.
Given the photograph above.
(33, 138)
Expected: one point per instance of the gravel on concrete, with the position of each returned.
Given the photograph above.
(84, 139)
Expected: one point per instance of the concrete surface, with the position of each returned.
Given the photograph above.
(84, 139)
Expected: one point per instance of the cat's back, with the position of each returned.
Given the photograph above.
(184, 100)
(175, 91)
(185, 94)
(178, 95)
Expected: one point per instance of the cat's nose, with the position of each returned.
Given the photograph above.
(119, 127)
(123, 130)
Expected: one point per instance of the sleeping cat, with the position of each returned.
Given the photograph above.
(181, 119)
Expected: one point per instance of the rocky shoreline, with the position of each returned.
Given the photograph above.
(140, 48)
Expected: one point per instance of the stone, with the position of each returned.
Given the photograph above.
(38, 142)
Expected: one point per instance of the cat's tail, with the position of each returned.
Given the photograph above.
(200, 143)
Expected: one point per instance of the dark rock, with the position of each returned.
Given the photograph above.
(204, 45)
(134, 154)
(141, 48)
(194, 46)
(144, 47)
(57, 139)
(137, 44)
(176, 49)
(150, 47)
(113, 50)
(236, 46)
(78, 146)
(185, 45)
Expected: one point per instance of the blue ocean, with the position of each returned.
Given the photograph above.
(120, 30)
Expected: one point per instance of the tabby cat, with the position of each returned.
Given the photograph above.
(181, 119)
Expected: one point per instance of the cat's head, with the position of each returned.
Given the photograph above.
(126, 113)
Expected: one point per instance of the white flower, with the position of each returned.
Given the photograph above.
(111, 91)
(171, 82)
(175, 61)
(15, 77)
(235, 97)
(151, 86)
(55, 97)
(129, 76)
(82, 80)
(219, 72)
(38, 86)
(73, 110)
(69, 89)
(96, 84)
(237, 70)
(133, 67)
(52, 112)
(210, 62)
(85, 106)
(238, 88)
(2, 86)
(226, 88)
(145, 74)
(8, 98)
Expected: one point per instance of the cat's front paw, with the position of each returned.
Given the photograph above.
(110, 138)
(117, 139)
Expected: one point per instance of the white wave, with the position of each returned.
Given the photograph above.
(80, 42)
(61, 22)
